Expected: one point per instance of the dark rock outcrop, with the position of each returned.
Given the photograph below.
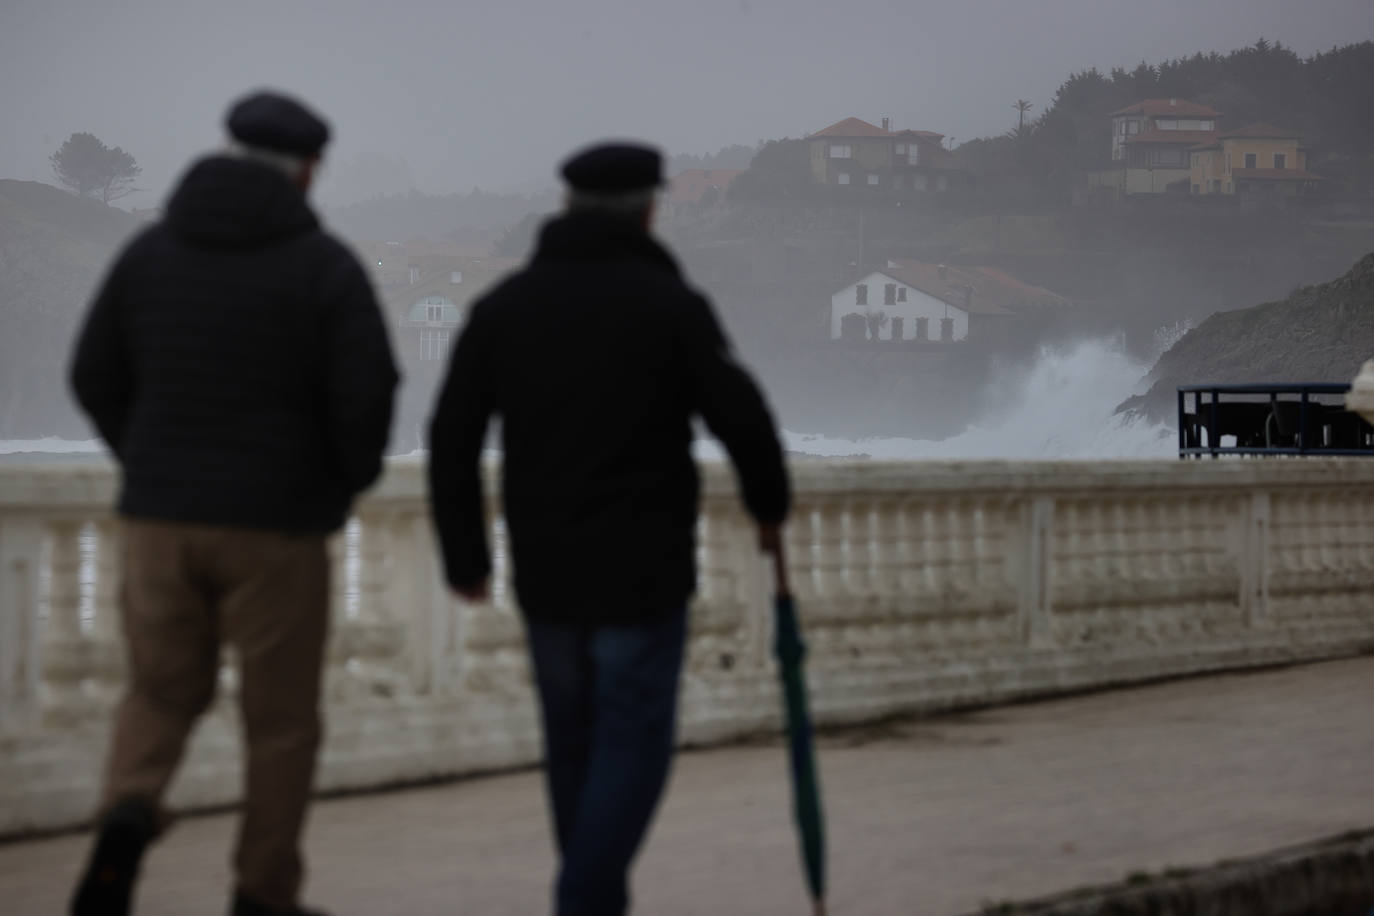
(1320, 333)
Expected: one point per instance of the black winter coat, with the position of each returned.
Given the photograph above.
(236, 362)
(596, 356)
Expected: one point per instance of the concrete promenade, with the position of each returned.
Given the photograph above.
(926, 816)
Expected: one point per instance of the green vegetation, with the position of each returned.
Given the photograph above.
(92, 169)
(1326, 97)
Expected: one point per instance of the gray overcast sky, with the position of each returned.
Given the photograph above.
(459, 94)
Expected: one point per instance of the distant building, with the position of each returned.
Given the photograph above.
(854, 153)
(1152, 142)
(1259, 159)
(427, 288)
(936, 303)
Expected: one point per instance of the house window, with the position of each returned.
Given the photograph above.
(456, 277)
(1280, 161)
(922, 329)
(873, 180)
(434, 313)
(861, 294)
(414, 275)
(889, 294)
(433, 344)
(1132, 127)
(901, 294)
(898, 328)
(901, 149)
(1166, 124)
(840, 151)
(946, 328)
(1250, 160)
(842, 178)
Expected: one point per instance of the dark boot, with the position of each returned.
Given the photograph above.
(107, 888)
(247, 906)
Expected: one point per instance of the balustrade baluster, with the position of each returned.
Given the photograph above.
(888, 549)
(858, 548)
(830, 539)
(933, 546)
(21, 556)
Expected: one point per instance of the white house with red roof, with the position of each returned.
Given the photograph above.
(922, 302)
(857, 154)
(1152, 142)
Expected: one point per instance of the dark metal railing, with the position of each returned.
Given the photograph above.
(1270, 419)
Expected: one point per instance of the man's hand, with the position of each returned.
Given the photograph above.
(770, 538)
(477, 593)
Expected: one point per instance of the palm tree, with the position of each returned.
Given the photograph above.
(1021, 106)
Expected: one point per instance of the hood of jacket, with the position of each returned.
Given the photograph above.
(591, 236)
(224, 202)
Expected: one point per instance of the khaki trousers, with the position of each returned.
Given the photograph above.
(186, 590)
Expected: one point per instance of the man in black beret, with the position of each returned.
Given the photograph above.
(596, 357)
(236, 363)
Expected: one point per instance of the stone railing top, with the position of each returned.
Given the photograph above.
(90, 482)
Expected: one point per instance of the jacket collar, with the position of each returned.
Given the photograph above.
(590, 236)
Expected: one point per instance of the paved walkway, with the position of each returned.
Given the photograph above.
(933, 816)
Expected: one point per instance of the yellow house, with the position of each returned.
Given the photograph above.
(1259, 159)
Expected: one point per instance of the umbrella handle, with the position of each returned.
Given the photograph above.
(780, 586)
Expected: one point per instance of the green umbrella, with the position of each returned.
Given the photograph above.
(806, 791)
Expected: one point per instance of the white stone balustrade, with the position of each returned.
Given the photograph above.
(921, 585)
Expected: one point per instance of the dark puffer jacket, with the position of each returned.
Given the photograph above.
(236, 360)
(596, 357)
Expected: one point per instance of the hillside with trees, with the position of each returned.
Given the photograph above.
(54, 247)
(1327, 98)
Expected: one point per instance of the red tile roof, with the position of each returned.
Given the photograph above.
(1190, 137)
(852, 127)
(688, 187)
(995, 292)
(1275, 175)
(1262, 131)
(1163, 108)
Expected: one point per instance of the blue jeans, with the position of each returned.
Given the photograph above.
(609, 701)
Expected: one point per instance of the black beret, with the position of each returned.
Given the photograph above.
(271, 121)
(614, 168)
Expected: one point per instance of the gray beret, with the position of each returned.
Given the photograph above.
(271, 121)
(614, 168)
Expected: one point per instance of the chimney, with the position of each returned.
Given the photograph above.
(885, 123)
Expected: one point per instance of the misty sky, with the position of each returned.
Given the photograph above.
(451, 95)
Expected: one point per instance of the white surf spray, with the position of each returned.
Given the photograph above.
(1061, 408)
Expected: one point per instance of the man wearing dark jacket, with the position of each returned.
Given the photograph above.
(596, 357)
(236, 363)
